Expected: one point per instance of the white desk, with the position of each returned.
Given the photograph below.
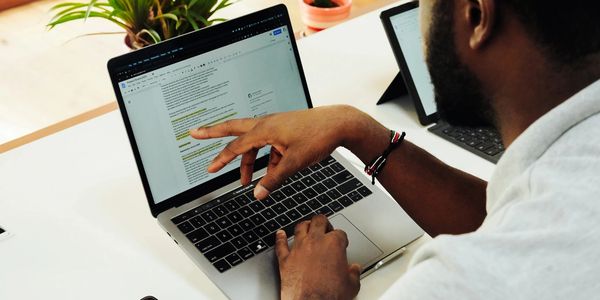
(75, 205)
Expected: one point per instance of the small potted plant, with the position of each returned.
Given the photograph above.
(145, 22)
(321, 14)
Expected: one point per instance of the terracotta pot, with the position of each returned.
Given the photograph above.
(319, 18)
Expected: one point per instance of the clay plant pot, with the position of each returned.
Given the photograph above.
(318, 18)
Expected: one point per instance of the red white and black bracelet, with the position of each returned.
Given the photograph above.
(374, 168)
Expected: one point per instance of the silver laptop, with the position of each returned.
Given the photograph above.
(247, 67)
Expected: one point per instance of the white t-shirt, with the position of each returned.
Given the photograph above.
(541, 237)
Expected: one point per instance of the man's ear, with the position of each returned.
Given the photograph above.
(481, 17)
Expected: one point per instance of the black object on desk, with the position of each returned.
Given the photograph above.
(396, 89)
(1, 230)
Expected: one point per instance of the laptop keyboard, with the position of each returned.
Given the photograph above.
(230, 230)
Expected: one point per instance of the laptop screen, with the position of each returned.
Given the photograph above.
(254, 74)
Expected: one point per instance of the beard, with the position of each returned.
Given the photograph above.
(459, 95)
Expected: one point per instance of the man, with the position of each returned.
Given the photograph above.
(529, 67)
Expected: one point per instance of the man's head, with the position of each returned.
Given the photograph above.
(476, 48)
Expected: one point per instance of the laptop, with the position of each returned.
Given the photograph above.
(246, 67)
(401, 26)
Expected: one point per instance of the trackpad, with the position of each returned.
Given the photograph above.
(360, 249)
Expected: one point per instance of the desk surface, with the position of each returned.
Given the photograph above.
(77, 211)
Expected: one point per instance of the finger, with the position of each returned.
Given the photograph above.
(232, 150)
(318, 225)
(247, 166)
(235, 127)
(354, 271)
(301, 230)
(341, 236)
(273, 179)
(282, 249)
(274, 158)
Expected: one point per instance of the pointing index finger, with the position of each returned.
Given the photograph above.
(234, 127)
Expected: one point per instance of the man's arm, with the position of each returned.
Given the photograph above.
(439, 198)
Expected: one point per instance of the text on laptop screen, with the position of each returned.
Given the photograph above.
(408, 33)
(255, 76)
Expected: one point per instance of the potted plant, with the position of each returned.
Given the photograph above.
(145, 22)
(321, 14)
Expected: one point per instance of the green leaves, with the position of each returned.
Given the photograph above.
(145, 21)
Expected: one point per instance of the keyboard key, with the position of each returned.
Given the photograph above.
(306, 172)
(365, 191)
(233, 259)
(269, 239)
(277, 196)
(337, 167)
(320, 188)
(336, 206)
(246, 225)
(323, 199)
(219, 252)
(222, 266)
(197, 221)
(293, 214)
(268, 201)
(256, 206)
(220, 210)
(182, 217)
(324, 211)
(299, 198)
(493, 151)
(289, 203)
(329, 183)
(261, 230)
(303, 209)
(298, 186)
(242, 200)
(350, 185)
(235, 230)
(327, 161)
(283, 220)
(334, 194)
(318, 176)
(250, 195)
(484, 146)
(235, 217)
(232, 205)
(246, 211)
(342, 177)
(279, 208)
(296, 176)
(309, 193)
(212, 228)
(355, 196)
(257, 219)
(245, 253)
(250, 236)
(308, 181)
(346, 201)
(288, 191)
(239, 242)
(223, 235)
(224, 222)
(207, 244)
(289, 229)
(272, 225)
(258, 246)
(314, 204)
(328, 172)
(185, 227)
(209, 216)
(315, 167)
(268, 214)
(197, 235)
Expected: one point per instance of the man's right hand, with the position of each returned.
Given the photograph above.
(298, 139)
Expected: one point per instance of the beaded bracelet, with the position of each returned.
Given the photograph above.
(374, 168)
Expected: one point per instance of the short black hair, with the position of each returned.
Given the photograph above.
(567, 31)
